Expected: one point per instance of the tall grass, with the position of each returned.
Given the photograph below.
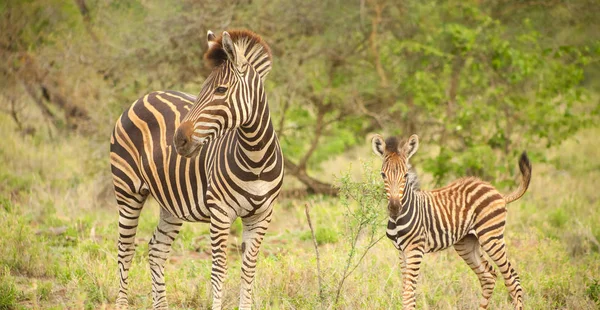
(58, 228)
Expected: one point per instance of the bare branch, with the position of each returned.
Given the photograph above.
(372, 244)
(314, 238)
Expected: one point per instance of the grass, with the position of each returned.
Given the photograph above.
(58, 225)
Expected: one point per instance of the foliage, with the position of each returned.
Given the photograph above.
(363, 218)
(483, 92)
(362, 201)
(474, 80)
(52, 268)
(593, 291)
(323, 236)
(363, 222)
(478, 81)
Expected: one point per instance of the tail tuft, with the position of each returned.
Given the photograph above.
(525, 167)
(524, 164)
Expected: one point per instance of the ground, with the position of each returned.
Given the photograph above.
(58, 223)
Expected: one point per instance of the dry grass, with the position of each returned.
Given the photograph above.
(58, 247)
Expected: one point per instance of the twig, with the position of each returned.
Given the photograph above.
(345, 274)
(314, 238)
(365, 253)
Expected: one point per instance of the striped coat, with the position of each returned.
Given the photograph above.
(469, 214)
(210, 158)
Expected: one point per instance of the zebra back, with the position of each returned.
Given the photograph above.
(210, 158)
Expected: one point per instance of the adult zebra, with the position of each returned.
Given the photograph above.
(207, 159)
(469, 214)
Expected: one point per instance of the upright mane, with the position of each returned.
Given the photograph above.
(392, 145)
(254, 48)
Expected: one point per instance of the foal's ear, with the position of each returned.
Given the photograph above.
(378, 145)
(411, 146)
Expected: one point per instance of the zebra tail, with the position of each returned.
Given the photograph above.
(525, 167)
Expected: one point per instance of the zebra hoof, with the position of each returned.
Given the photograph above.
(122, 306)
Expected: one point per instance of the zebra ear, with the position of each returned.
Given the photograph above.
(211, 39)
(229, 48)
(232, 52)
(411, 146)
(378, 145)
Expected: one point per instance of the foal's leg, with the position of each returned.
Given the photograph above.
(469, 249)
(496, 249)
(490, 233)
(410, 276)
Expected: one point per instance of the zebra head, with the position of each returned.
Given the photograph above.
(231, 94)
(396, 171)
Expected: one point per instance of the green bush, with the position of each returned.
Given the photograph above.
(593, 291)
(323, 235)
(558, 218)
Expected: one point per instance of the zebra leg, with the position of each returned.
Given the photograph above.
(220, 224)
(410, 276)
(255, 228)
(468, 248)
(130, 207)
(496, 249)
(159, 249)
(402, 263)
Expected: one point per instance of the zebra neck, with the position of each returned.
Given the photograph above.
(257, 139)
(410, 203)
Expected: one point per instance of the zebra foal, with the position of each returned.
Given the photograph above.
(468, 214)
(210, 158)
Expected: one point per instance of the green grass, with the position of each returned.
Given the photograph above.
(8, 290)
(322, 235)
(58, 223)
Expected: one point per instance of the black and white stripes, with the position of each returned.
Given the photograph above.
(468, 214)
(207, 159)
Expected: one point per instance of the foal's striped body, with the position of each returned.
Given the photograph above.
(469, 214)
(448, 214)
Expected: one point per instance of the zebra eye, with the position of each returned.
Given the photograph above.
(406, 176)
(383, 175)
(220, 90)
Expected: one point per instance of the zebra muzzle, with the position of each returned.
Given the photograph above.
(394, 207)
(185, 145)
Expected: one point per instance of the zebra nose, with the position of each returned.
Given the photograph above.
(183, 135)
(395, 201)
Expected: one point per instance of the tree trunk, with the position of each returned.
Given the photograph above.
(314, 186)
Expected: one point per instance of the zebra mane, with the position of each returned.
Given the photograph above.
(256, 51)
(392, 145)
(412, 180)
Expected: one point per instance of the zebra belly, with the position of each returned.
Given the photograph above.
(184, 190)
(447, 240)
(442, 240)
(244, 199)
(177, 184)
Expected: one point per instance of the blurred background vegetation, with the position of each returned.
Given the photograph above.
(479, 81)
